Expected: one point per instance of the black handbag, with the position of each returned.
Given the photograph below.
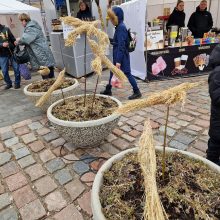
(21, 56)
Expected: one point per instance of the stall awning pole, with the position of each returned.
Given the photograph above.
(68, 7)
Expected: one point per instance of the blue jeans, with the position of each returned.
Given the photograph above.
(131, 79)
(4, 63)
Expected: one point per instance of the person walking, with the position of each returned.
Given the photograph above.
(7, 41)
(213, 151)
(121, 57)
(200, 21)
(37, 46)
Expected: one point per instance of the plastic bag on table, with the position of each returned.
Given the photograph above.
(24, 71)
(116, 83)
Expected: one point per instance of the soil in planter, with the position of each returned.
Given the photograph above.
(74, 110)
(190, 191)
(44, 85)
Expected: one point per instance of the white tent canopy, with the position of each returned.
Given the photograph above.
(9, 10)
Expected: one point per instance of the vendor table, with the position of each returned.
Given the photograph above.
(178, 62)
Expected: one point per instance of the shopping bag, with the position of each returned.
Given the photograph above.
(24, 71)
(116, 83)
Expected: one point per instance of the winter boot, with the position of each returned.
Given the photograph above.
(107, 91)
(136, 95)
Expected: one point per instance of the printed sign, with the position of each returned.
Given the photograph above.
(154, 40)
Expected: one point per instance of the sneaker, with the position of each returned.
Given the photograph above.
(8, 87)
(136, 95)
(16, 86)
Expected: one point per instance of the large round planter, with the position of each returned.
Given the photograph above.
(55, 96)
(95, 201)
(87, 133)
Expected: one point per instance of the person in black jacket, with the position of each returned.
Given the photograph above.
(84, 11)
(7, 41)
(200, 21)
(178, 16)
(213, 152)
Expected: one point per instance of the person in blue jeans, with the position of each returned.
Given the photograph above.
(7, 46)
(121, 57)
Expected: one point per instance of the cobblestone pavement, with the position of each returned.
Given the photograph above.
(36, 183)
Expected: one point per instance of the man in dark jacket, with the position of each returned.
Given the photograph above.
(200, 21)
(7, 41)
(84, 12)
(121, 57)
(213, 152)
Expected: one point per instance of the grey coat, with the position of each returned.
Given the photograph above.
(37, 46)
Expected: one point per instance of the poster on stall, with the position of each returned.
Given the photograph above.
(155, 40)
(66, 30)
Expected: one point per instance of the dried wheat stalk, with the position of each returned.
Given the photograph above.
(153, 209)
(44, 71)
(111, 15)
(167, 97)
(96, 65)
(59, 81)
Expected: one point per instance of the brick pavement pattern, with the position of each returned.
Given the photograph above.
(36, 183)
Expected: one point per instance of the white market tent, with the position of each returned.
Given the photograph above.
(9, 10)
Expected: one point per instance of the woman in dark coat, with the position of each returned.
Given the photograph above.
(213, 152)
(121, 57)
(178, 16)
(84, 11)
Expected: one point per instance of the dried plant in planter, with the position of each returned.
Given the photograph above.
(44, 71)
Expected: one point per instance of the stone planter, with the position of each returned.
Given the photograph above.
(55, 96)
(87, 133)
(95, 201)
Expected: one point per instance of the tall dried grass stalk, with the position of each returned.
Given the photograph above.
(167, 97)
(44, 71)
(153, 209)
(101, 18)
(96, 65)
(111, 15)
(59, 81)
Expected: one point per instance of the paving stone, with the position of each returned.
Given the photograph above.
(46, 155)
(195, 151)
(51, 136)
(137, 118)
(118, 132)
(88, 177)
(194, 113)
(126, 128)
(134, 133)
(121, 144)
(11, 142)
(202, 146)
(173, 113)
(205, 117)
(80, 167)
(139, 128)
(128, 137)
(26, 161)
(170, 132)
(184, 139)
(37, 146)
(182, 123)
(74, 189)
(22, 152)
(28, 138)
(4, 158)
(109, 148)
(17, 146)
(22, 123)
(54, 165)
(23, 196)
(203, 111)
(2, 189)
(123, 119)
(174, 126)
(87, 158)
(85, 203)
(35, 126)
(206, 132)
(154, 124)
(132, 123)
(7, 135)
(57, 152)
(55, 201)
(70, 147)
(79, 152)
(110, 138)
(96, 165)
(63, 176)
(35, 172)
(9, 214)
(177, 145)
(5, 129)
(22, 131)
(2, 149)
(5, 200)
(33, 211)
(69, 213)
(185, 118)
(58, 142)
(45, 185)
(43, 131)
(190, 132)
(9, 169)
(160, 121)
(16, 181)
(69, 158)
(194, 128)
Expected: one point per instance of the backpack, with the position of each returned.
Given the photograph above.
(21, 56)
(132, 41)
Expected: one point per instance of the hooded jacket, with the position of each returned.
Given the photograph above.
(176, 18)
(84, 14)
(200, 22)
(120, 42)
(37, 46)
(214, 91)
(6, 36)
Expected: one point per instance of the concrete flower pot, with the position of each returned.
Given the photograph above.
(87, 133)
(55, 96)
(95, 200)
